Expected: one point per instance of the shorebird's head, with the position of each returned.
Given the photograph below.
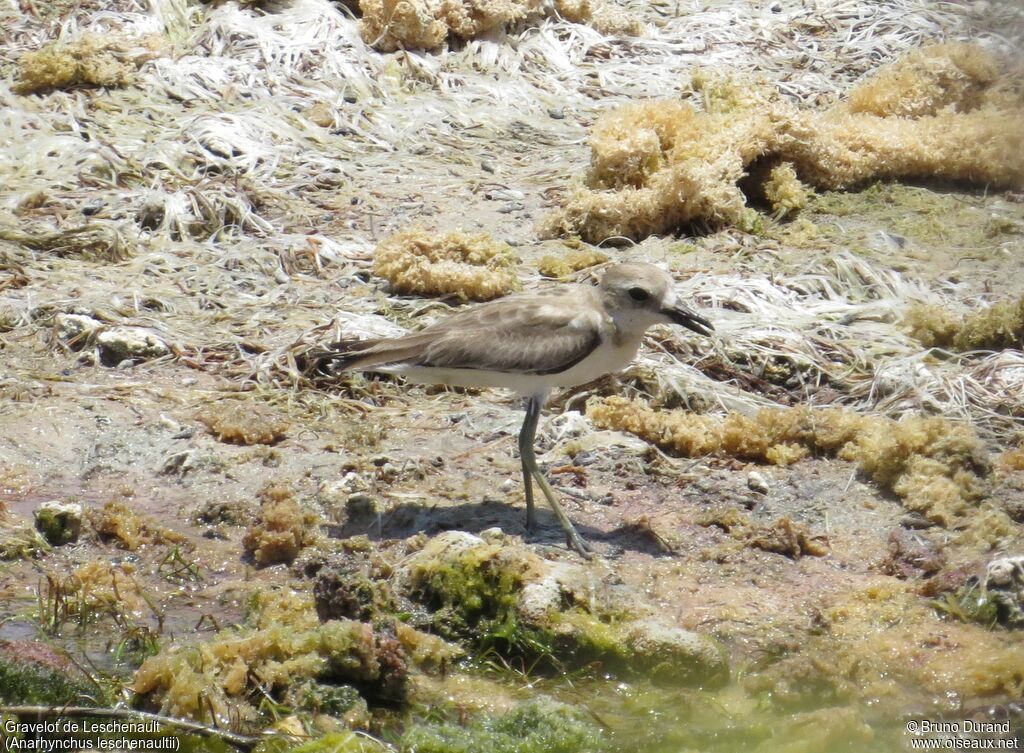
(640, 295)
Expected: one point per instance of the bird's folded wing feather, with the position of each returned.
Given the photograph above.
(538, 335)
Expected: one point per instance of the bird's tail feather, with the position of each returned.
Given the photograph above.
(353, 355)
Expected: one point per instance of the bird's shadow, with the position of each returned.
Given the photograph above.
(409, 518)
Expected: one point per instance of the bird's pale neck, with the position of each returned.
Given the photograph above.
(630, 326)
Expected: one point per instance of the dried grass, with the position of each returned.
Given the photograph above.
(658, 165)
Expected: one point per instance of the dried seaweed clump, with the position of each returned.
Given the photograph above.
(1013, 460)
(91, 59)
(935, 466)
(926, 81)
(570, 263)
(118, 522)
(784, 191)
(226, 678)
(390, 25)
(658, 165)
(997, 327)
(239, 423)
(606, 17)
(283, 529)
(782, 536)
(472, 267)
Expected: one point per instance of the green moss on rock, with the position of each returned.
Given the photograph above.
(34, 673)
(541, 726)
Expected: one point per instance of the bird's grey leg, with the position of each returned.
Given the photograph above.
(530, 469)
(526, 436)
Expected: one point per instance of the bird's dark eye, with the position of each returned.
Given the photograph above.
(639, 294)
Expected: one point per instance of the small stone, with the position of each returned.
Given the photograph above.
(75, 329)
(556, 113)
(120, 344)
(59, 522)
(757, 483)
(677, 655)
(508, 485)
(493, 535)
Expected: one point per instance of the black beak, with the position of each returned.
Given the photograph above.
(681, 315)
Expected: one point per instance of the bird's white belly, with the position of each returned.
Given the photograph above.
(605, 359)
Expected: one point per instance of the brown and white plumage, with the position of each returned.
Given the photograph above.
(531, 344)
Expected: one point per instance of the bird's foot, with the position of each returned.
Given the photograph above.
(575, 541)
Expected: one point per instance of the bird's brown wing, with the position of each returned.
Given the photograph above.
(524, 335)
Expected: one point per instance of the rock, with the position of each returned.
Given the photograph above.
(670, 653)
(502, 595)
(119, 344)
(1004, 587)
(59, 522)
(75, 329)
(33, 673)
(493, 535)
(912, 554)
(346, 587)
(757, 483)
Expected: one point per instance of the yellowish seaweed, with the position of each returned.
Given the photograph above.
(472, 267)
(935, 466)
(570, 262)
(997, 327)
(283, 529)
(660, 164)
(91, 59)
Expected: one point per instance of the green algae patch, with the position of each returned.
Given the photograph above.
(883, 644)
(34, 673)
(472, 588)
(540, 726)
(283, 644)
(918, 216)
(493, 595)
(342, 742)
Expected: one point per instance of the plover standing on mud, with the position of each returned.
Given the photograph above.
(531, 344)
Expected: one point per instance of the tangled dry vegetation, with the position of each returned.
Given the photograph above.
(473, 267)
(944, 112)
(389, 25)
